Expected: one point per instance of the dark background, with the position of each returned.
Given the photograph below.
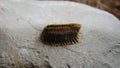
(112, 6)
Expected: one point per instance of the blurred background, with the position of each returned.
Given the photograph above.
(112, 6)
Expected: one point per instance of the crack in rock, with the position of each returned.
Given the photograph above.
(68, 66)
(71, 50)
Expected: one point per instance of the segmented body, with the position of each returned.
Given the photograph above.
(61, 34)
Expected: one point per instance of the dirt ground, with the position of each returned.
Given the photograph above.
(112, 6)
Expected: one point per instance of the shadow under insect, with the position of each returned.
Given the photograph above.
(60, 34)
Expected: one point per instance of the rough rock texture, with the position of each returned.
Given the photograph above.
(21, 23)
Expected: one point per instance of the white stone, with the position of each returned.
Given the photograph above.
(22, 21)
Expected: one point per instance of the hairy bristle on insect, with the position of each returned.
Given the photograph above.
(60, 34)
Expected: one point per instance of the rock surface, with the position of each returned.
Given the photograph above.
(22, 21)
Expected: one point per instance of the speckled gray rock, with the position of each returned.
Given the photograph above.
(22, 21)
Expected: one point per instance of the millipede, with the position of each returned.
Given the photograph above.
(60, 34)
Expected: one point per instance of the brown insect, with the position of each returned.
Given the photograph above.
(60, 34)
